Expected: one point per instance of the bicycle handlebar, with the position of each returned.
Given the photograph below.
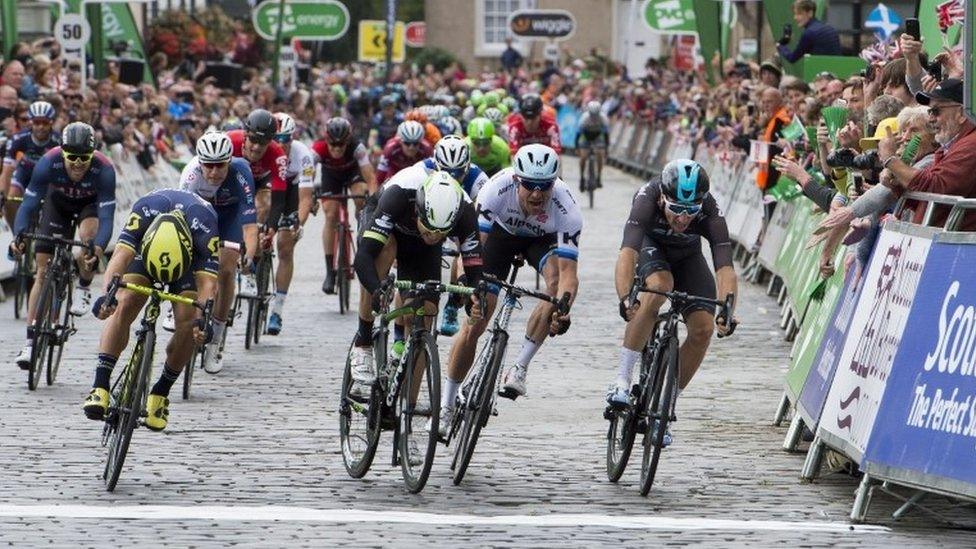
(433, 286)
(682, 298)
(343, 196)
(89, 246)
(562, 304)
(117, 283)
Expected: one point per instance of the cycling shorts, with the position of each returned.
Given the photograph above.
(501, 247)
(339, 182)
(137, 268)
(59, 217)
(289, 217)
(229, 226)
(687, 266)
(597, 140)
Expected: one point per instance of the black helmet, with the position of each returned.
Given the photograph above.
(684, 182)
(531, 105)
(261, 125)
(78, 138)
(338, 130)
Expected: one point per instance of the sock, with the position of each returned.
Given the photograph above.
(278, 302)
(627, 360)
(529, 348)
(166, 380)
(450, 392)
(103, 372)
(329, 262)
(364, 335)
(398, 332)
(218, 328)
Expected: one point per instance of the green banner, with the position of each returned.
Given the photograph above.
(928, 22)
(708, 23)
(118, 24)
(670, 16)
(812, 331)
(8, 25)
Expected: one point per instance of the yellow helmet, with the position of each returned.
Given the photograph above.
(167, 247)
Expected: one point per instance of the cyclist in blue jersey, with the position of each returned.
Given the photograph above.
(23, 152)
(77, 185)
(170, 238)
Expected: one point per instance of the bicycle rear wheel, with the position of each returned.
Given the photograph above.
(477, 408)
(126, 408)
(252, 312)
(342, 262)
(659, 406)
(591, 177)
(359, 425)
(196, 358)
(264, 283)
(42, 333)
(21, 288)
(417, 427)
(60, 336)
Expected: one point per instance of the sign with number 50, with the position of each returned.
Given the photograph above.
(72, 31)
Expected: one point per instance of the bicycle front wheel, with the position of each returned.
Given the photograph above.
(252, 312)
(591, 177)
(21, 290)
(477, 408)
(659, 406)
(195, 358)
(342, 263)
(418, 415)
(42, 333)
(59, 336)
(126, 408)
(359, 424)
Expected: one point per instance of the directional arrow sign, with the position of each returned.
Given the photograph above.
(372, 41)
(303, 19)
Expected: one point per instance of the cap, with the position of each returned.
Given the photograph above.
(879, 132)
(949, 89)
(772, 67)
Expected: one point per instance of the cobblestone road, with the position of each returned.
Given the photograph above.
(253, 459)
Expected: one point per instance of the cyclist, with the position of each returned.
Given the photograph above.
(496, 117)
(524, 210)
(23, 152)
(529, 125)
(77, 185)
(345, 169)
(662, 244)
(385, 124)
(593, 133)
(470, 111)
(227, 184)
(171, 238)
(431, 133)
(301, 181)
(488, 151)
(269, 166)
(403, 151)
(407, 222)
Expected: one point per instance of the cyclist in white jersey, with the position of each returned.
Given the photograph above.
(300, 177)
(523, 210)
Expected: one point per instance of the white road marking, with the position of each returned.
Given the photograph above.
(307, 514)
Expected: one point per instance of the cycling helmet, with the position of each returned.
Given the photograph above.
(477, 98)
(531, 105)
(494, 115)
(167, 247)
(338, 130)
(232, 123)
(509, 103)
(536, 163)
(40, 109)
(684, 181)
(78, 138)
(451, 154)
(449, 125)
(593, 107)
(387, 101)
(416, 114)
(286, 124)
(410, 131)
(439, 201)
(480, 129)
(491, 99)
(261, 126)
(214, 147)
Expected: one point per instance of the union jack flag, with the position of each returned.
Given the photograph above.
(950, 13)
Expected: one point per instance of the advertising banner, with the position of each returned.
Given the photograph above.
(925, 432)
(779, 224)
(874, 337)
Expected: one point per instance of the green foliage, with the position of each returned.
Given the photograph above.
(438, 57)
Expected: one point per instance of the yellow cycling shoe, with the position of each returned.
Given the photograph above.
(157, 412)
(96, 404)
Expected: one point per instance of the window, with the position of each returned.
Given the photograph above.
(492, 24)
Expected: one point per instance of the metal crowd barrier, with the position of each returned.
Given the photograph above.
(643, 148)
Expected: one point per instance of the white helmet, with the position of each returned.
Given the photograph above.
(452, 155)
(214, 147)
(493, 114)
(537, 163)
(439, 201)
(593, 107)
(286, 124)
(410, 131)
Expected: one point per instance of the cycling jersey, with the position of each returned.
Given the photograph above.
(386, 127)
(269, 169)
(50, 182)
(301, 166)
(395, 159)
(647, 220)
(233, 198)
(498, 156)
(24, 152)
(200, 216)
(498, 205)
(472, 182)
(593, 125)
(339, 172)
(394, 212)
(547, 133)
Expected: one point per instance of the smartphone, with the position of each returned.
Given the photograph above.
(751, 109)
(935, 70)
(787, 31)
(859, 183)
(912, 28)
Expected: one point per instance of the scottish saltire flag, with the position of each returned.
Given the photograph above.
(884, 20)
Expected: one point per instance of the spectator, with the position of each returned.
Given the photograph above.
(770, 74)
(511, 58)
(818, 38)
(775, 117)
(13, 76)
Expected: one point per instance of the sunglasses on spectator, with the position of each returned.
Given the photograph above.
(77, 158)
(283, 139)
(936, 111)
(541, 185)
(682, 209)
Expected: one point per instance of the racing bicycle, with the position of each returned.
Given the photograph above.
(344, 249)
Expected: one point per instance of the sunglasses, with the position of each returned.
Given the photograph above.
(41, 121)
(535, 185)
(411, 144)
(337, 144)
(213, 165)
(258, 139)
(682, 209)
(78, 158)
(481, 142)
(936, 111)
(283, 139)
(433, 230)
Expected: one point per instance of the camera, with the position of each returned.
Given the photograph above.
(867, 161)
(841, 158)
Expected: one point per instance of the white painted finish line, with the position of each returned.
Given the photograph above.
(307, 514)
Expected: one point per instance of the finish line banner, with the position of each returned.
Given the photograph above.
(925, 432)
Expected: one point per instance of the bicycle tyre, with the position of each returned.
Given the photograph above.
(42, 333)
(263, 281)
(340, 269)
(591, 177)
(475, 418)
(56, 346)
(249, 325)
(132, 394)
(415, 476)
(659, 408)
(21, 290)
(358, 463)
(196, 357)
